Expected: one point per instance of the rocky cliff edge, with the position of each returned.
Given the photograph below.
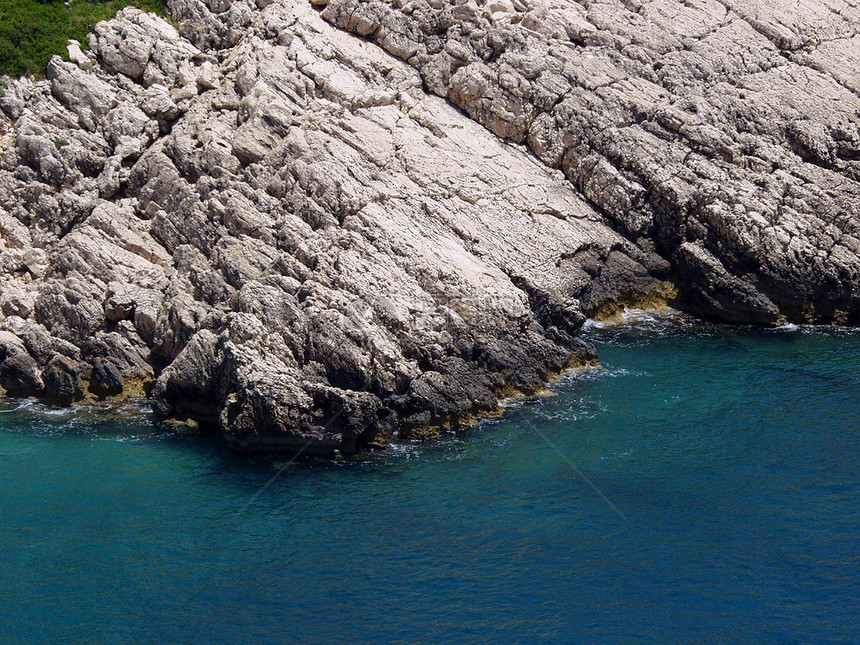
(321, 227)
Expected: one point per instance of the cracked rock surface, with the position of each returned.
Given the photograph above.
(725, 133)
(315, 242)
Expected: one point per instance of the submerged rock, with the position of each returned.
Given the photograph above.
(310, 248)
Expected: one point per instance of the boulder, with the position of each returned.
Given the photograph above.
(105, 379)
(16, 302)
(77, 55)
(19, 375)
(63, 385)
(82, 92)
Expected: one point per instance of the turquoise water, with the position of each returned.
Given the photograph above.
(732, 458)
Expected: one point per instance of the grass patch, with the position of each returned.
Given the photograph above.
(31, 31)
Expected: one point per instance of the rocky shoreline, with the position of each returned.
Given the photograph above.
(318, 228)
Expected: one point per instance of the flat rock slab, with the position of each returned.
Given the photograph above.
(730, 126)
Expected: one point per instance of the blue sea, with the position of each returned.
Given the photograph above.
(701, 486)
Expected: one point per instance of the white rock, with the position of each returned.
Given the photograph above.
(15, 301)
(207, 76)
(78, 57)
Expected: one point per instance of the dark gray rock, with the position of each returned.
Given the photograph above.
(19, 375)
(63, 385)
(189, 386)
(105, 379)
(725, 296)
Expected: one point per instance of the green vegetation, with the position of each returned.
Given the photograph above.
(31, 31)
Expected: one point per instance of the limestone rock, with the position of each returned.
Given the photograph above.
(157, 103)
(78, 57)
(16, 302)
(317, 231)
(119, 303)
(693, 125)
(85, 94)
(124, 44)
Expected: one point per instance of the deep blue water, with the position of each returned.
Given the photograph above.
(731, 456)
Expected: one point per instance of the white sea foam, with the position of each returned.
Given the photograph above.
(21, 406)
(125, 422)
(788, 327)
(641, 320)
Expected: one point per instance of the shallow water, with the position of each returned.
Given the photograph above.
(725, 467)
